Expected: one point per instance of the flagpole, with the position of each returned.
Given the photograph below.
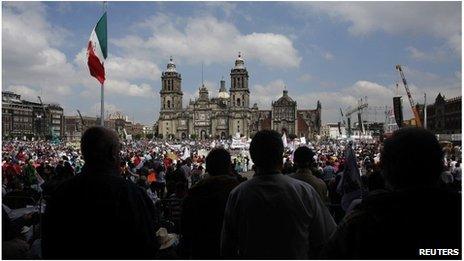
(102, 109)
(102, 105)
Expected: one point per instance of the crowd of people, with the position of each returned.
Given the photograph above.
(337, 199)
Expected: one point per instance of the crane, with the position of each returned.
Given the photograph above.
(411, 100)
(45, 116)
(82, 119)
(341, 112)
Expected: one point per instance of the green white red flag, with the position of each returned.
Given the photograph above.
(97, 50)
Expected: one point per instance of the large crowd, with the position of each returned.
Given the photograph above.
(337, 199)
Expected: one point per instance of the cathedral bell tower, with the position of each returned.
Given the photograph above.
(171, 88)
(239, 92)
(239, 99)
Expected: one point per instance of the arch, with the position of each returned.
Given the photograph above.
(183, 135)
(203, 134)
(223, 135)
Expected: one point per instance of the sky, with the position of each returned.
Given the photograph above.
(334, 52)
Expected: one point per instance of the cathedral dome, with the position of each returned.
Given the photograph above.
(223, 95)
(285, 100)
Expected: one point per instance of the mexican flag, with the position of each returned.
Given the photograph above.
(97, 50)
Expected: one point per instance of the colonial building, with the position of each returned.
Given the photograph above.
(31, 119)
(444, 116)
(285, 117)
(229, 113)
(75, 125)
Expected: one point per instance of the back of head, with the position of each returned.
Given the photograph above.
(411, 157)
(266, 150)
(218, 162)
(303, 157)
(100, 148)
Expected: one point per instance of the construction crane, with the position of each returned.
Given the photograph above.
(343, 120)
(45, 116)
(411, 100)
(82, 119)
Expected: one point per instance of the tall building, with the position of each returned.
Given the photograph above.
(444, 116)
(229, 113)
(31, 119)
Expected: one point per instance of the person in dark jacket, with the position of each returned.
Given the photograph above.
(203, 208)
(414, 214)
(98, 214)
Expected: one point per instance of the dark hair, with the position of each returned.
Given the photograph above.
(218, 162)
(411, 157)
(100, 148)
(303, 157)
(266, 149)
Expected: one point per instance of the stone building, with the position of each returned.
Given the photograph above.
(31, 119)
(229, 113)
(75, 126)
(444, 116)
(285, 117)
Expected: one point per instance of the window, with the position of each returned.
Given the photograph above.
(169, 104)
(238, 101)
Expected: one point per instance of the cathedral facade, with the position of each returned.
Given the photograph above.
(229, 113)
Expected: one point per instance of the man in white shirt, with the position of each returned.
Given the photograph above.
(272, 215)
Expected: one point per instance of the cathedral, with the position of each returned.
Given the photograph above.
(229, 113)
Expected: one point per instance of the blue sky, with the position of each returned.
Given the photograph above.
(335, 52)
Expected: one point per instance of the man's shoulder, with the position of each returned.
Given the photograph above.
(284, 181)
(98, 182)
(213, 183)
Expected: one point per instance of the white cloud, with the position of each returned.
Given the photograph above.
(438, 19)
(328, 56)
(209, 40)
(437, 55)
(263, 95)
(130, 68)
(25, 92)
(304, 78)
(125, 88)
(109, 108)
